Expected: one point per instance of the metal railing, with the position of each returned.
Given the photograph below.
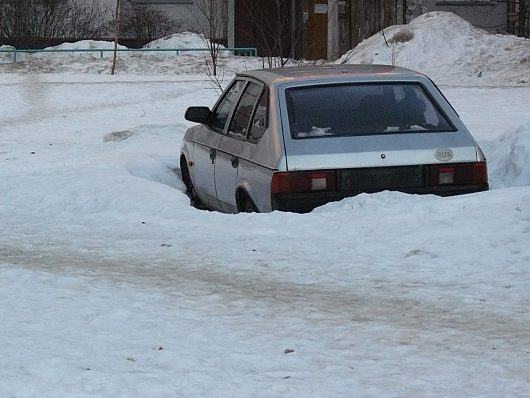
(240, 51)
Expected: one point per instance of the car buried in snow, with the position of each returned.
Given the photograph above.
(295, 138)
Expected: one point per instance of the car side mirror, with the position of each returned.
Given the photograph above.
(198, 114)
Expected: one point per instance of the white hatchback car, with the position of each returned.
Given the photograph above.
(293, 139)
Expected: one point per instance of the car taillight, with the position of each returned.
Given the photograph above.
(460, 174)
(303, 181)
(480, 173)
(446, 175)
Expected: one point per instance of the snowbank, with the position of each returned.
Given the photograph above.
(180, 40)
(6, 57)
(185, 40)
(131, 62)
(448, 49)
(509, 158)
(86, 45)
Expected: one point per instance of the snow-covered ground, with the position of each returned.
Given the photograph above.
(111, 285)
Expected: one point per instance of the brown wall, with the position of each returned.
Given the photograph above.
(263, 24)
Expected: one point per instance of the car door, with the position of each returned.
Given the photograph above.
(202, 166)
(231, 145)
(206, 142)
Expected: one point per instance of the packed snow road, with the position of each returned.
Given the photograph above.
(232, 333)
(380, 301)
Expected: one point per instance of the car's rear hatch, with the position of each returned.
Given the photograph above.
(342, 138)
(321, 170)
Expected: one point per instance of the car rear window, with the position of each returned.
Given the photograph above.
(362, 109)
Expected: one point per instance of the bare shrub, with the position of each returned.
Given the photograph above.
(146, 23)
(30, 23)
(392, 49)
(402, 36)
(210, 22)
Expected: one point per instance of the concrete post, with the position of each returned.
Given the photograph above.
(231, 25)
(333, 30)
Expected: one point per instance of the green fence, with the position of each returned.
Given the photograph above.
(241, 51)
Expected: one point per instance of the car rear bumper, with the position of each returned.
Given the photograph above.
(305, 202)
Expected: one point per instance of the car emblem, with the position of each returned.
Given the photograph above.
(443, 155)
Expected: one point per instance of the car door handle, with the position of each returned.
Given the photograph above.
(212, 154)
(234, 161)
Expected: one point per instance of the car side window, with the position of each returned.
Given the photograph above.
(225, 106)
(259, 120)
(241, 119)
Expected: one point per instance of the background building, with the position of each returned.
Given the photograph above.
(309, 29)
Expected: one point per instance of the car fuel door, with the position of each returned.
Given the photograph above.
(231, 146)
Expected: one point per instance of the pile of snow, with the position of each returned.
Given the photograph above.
(6, 56)
(185, 40)
(509, 157)
(87, 45)
(448, 49)
(180, 40)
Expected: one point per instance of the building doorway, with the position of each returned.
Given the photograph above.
(315, 14)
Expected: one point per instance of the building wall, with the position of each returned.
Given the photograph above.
(369, 17)
(265, 25)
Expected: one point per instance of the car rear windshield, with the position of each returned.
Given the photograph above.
(362, 109)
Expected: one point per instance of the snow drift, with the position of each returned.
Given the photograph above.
(448, 49)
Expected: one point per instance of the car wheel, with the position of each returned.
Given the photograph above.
(248, 206)
(190, 189)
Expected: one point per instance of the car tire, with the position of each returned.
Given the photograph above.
(247, 205)
(190, 189)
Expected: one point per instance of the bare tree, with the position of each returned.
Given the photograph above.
(211, 22)
(521, 23)
(146, 23)
(117, 29)
(392, 48)
(275, 29)
(32, 23)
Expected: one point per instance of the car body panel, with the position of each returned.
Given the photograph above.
(226, 172)
(379, 157)
(202, 172)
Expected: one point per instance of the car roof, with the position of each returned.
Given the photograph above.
(301, 73)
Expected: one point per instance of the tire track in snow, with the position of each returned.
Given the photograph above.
(386, 305)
